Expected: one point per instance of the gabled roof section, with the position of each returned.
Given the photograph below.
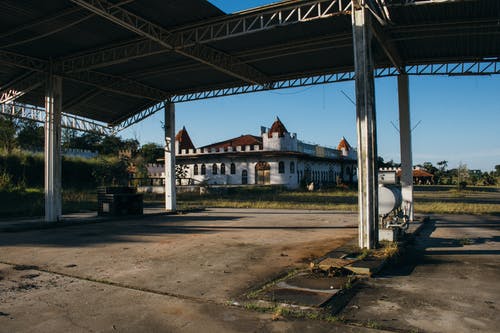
(243, 140)
(184, 140)
(343, 144)
(277, 127)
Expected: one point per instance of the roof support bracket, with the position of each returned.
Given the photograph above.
(388, 46)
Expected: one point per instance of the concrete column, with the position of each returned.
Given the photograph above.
(366, 129)
(52, 149)
(170, 201)
(405, 143)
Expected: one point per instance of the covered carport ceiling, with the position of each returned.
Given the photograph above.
(118, 58)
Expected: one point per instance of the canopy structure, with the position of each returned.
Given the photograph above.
(113, 63)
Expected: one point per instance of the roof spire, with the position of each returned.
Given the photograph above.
(184, 140)
(277, 127)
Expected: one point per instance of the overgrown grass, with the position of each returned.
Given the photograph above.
(30, 202)
(456, 208)
(271, 198)
(428, 200)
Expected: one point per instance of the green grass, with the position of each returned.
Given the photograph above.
(30, 202)
(428, 200)
(271, 198)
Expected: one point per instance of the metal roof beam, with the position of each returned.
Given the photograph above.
(118, 85)
(261, 20)
(23, 61)
(209, 32)
(20, 86)
(29, 112)
(107, 82)
(82, 98)
(209, 56)
(112, 55)
(310, 79)
(403, 3)
(389, 47)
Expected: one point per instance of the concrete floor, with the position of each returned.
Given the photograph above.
(178, 274)
(449, 281)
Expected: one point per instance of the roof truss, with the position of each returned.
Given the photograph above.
(204, 54)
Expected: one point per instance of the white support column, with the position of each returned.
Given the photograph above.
(52, 150)
(366, 129)
(405, 143)
(170, 200)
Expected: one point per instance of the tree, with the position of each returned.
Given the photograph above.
(86, 141)
(151, 152)
(497, 170)
(488, 179)
(8, 129)
(130, 144)
(110, 171)
(441, 172)
(68, 137)
(181, 172)
(382, 164)
(429, 167)
(31, 136)
(110, 145)
(462, 175)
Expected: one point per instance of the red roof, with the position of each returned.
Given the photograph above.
(343, 144)
(277, 127)
(418, 173)
(243, 140)
(184, 140)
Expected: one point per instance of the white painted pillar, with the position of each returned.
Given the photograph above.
(170, 200)
(366, 129)
(52, 149)
(405, 142)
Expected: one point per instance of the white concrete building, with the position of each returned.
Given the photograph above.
(276, 157)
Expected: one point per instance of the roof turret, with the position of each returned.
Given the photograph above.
(277, 127)
(343, 144)
(184, 140)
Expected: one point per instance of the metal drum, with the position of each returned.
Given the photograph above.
(389, 199)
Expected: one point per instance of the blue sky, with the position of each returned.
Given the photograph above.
(459, 116)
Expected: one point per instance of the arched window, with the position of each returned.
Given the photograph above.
(281, 167)
(292, 167)
(233, 169)
(222, 169)
(195, 169)
(244, 177)
(203, 169)
(214, 169)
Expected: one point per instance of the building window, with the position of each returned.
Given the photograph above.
(244, 177)
(233, 169)
(203, 169)
(281, 167)
(292, 167)
(195, 169)
(222, 169)
(214, 169)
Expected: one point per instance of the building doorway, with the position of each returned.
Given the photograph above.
(244, 177)
(262, 173)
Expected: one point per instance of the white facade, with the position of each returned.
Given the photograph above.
(279, 159)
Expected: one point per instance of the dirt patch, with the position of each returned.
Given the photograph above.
(24, 287)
